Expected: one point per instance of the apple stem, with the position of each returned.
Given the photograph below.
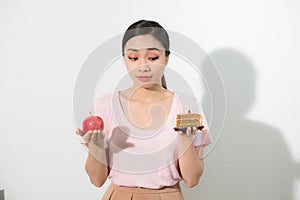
(90, 113)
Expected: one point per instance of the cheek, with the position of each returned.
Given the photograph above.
(129, 65)
(158, 69)
(131, 69)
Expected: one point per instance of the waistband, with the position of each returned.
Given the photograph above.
(165, 189)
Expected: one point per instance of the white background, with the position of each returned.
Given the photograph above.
(44, 43)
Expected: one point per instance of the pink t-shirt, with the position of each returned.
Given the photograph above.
(145, 158)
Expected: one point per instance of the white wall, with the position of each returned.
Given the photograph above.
(255, 44)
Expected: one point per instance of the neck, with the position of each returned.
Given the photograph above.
(147, 94)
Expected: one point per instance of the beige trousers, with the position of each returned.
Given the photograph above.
(115, 192)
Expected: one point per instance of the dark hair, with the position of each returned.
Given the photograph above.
(143, 27)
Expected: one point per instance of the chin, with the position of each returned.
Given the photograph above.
(147, 85)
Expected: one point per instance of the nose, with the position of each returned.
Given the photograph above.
(144, 68)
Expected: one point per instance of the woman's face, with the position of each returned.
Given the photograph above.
(145, 60)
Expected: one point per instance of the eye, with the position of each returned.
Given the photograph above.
(153, 58)
(132, 58)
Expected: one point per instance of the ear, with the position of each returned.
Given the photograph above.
(167, 60)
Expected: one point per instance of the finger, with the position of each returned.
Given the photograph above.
(189, 132)
(98, 133)
(87, 136)
(194, 130)
(79, 132)
(204, 130)
(94, 137)
(102, 134)
(180, 132)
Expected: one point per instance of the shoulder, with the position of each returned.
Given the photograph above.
(186, 98)
(169, 94)
(104, 98)
(103, 105)
(104, 101)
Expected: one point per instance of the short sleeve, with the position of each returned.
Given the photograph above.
(202, 138)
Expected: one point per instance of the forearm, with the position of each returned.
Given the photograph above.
(191, 166)
(96, 167)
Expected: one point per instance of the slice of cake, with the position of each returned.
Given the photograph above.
(189, 119)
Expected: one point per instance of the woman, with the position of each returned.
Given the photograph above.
(138, 148)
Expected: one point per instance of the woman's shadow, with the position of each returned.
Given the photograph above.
(251, 159)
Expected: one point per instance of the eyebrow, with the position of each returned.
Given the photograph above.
(151, 48)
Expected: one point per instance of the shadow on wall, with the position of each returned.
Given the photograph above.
(1, 194)
(251, 160)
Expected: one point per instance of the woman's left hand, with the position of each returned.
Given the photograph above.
(190, 131)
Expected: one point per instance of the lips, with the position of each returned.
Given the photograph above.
(144, 78)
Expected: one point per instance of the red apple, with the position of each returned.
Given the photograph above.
(92, 123)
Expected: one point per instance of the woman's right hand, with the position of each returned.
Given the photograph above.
(92, 138)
